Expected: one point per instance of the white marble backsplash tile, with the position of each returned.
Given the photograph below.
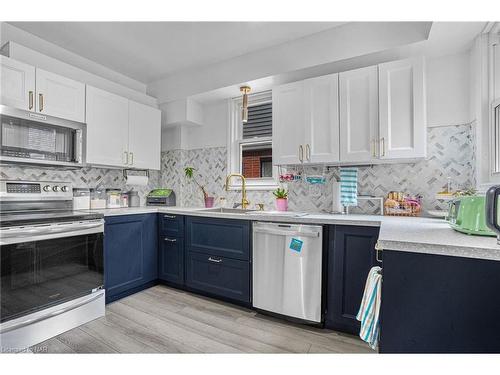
(451, 153)
(87, 177)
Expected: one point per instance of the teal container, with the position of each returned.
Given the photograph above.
(467, 215)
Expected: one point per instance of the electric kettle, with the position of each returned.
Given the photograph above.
(492, 213)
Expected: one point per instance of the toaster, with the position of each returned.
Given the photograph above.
(161, 197)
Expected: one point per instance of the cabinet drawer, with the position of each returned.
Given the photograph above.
(171, 225)
(171, 259)
(219, 276)
(220, 237)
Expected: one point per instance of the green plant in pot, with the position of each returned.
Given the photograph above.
(209, 201)
(281, 199)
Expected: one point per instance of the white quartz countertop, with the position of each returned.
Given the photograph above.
(420, 235)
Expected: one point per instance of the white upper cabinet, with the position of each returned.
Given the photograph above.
(107, 128)
(17, 84)
(496, 70)
(306, 121)
(144, 143)
(59, 96)
(322, 119)
(288, 123)
(122, 133)
(402, 109)
(358, 115)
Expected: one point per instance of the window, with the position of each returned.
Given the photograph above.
(250, 144)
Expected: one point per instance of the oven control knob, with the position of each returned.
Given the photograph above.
(56, 188)
(65, 189)
(46, 188)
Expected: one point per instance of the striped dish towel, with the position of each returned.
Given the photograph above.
(349, 186)
(369, 310)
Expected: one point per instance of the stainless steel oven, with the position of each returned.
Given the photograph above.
(35, 138)
(51, 267)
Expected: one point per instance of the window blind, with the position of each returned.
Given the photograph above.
(260, 121)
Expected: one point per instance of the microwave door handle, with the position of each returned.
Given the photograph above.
(79, 146)
(27, 322)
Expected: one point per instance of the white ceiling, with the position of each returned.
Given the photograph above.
(148, 51)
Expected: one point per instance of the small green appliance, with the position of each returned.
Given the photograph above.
(468, 215)
(161, 197)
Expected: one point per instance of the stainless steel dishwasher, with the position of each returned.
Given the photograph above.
(287, 269)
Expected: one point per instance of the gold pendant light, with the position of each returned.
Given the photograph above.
(244, 108)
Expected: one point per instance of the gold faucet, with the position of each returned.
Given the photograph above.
(244, 201)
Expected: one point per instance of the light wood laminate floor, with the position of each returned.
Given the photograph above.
(167, 320)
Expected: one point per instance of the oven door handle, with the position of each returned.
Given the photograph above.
(48, 230)
(27, 322)
(73, 228)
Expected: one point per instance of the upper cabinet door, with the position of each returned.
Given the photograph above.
(144, 136)
(107, 128)
(288, 124)
(59, 96)
(358, 115)
(402, 109)
(17, 84)
(322, 119)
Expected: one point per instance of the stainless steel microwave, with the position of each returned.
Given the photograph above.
(28, 137)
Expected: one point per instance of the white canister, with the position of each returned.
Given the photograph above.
(81, 199)
(97, 199)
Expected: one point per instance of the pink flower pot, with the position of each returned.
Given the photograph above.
(281, 204)
(209, 202)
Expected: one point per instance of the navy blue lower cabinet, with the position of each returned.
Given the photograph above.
(130, 254)
(439, 304)
(351, 254)
(218, 276)
(229, 238)
(218, 257)
(171, 259)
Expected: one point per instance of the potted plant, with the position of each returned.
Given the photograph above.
(281, 199)
(209, 201)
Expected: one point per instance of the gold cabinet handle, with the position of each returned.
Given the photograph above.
(30, 100)
(308, 152)
(382, 141)
(301, 153)
(125, 157)
(131, 158)
(40, 102)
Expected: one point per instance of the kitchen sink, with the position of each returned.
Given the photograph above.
(227, 210)
(253, 212)
(279, 213)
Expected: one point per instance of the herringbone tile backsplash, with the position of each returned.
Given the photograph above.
(451, 153)
(80, 178)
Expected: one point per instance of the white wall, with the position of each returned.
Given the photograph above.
(15, 34)
(35, 51)
(213, 132)
(344, 42)
(448, 88)
(448, 95)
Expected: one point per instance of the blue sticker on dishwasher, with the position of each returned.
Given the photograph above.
(296, 244)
